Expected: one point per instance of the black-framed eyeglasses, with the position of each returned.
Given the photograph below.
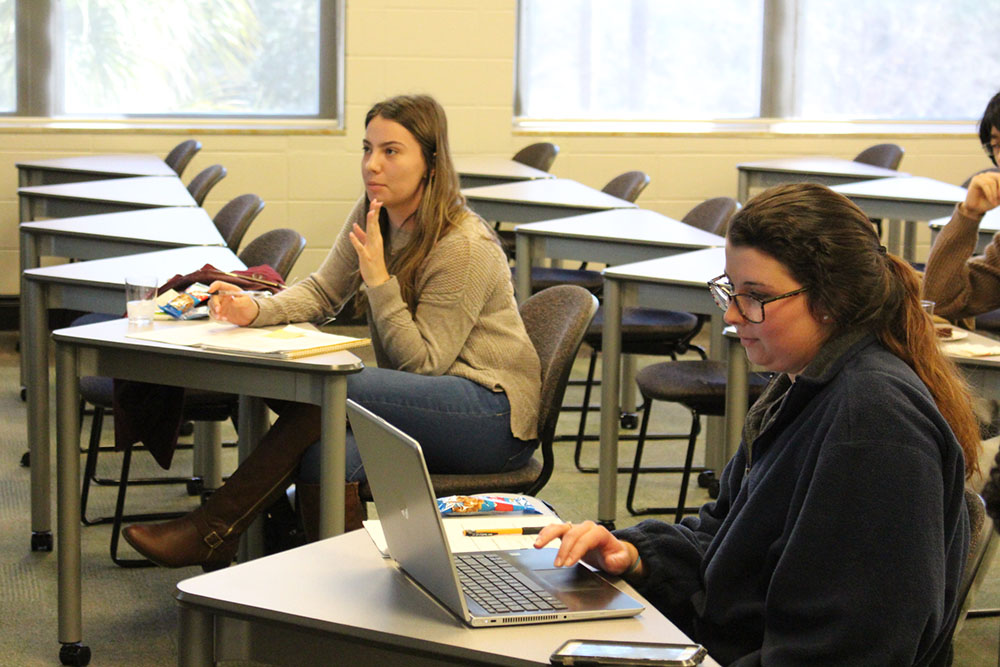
(990, 149)
(751, 307)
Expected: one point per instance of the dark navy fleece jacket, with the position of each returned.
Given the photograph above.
(839, 534)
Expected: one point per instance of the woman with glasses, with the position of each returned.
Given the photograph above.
(962, 285)
(840, 532)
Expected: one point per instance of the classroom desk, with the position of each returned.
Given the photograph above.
(988, 226)
(107, 196)
(339, 597)
(98, 286)
(89, 168)
(679, 283)
(104, 349)
(813, 169)
(478, 170)
(618, 236)
(114, 235)
(537, 200)
(908, 199)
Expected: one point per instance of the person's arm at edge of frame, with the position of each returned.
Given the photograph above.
(960, 286)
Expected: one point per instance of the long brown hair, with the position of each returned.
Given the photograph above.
(442, 205)
(830, 247)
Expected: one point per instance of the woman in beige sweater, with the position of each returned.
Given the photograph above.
(456, 367)
(959, 284)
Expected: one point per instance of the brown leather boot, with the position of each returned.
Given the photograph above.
(209, 535)
(307, 498)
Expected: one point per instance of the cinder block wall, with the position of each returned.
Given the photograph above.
(462, 52)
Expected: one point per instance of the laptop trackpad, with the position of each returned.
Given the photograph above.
(576, 578)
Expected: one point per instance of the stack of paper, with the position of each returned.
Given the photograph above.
(282, 342)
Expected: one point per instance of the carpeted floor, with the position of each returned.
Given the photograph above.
(129, 614)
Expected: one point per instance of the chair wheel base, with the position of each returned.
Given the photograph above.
(41, 540)
(74, 654)
(195, 486)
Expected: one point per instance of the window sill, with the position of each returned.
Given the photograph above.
(281, 126)
(743, 128)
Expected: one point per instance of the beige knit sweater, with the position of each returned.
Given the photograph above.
(466, 321)
(959, 284)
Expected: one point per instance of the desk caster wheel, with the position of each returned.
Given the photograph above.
(41, 540)
(195, 486)
(629, 421)
(74, 654)
(708, 480)
(24, 394)
(610, 525)
(26, 460)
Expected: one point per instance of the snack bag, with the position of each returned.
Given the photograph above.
(484, 503)
(184, 305)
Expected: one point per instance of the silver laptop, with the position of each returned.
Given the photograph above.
(407, 509)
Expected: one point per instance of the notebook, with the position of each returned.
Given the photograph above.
(404, 497)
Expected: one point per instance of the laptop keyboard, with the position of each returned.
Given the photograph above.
(499, 587)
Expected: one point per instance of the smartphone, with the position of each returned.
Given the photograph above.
(598, 652)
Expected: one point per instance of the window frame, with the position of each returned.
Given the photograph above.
(39, 76)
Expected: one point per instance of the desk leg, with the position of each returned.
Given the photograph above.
(737, 391)
(196, 638)
(715, 427)
(68, 494)
(909, 240)
(743, 189)
(523, 247)
(29, 259)
(253, 425)
(894, 242)
(35, 350)
(333, 467)
(610, 376)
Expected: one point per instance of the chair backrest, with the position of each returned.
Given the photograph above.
(278, 248)
(627, 186)
(233, 220)
(982, 544)
(178, 158)
(965, 183)
(556, 320)
(887, 156)
(205, 181)
(540, 155)
(712, 215)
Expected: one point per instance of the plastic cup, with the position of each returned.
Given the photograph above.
(140, 299)
(928, 307)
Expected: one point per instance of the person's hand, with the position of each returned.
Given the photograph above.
(983, 194)
(589, 542)
(368, 244)
(237, 308)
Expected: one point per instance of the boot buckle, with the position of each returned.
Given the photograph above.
(213, 540)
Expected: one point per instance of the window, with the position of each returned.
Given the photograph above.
(8, 84)
(738, 59)
(225, 58)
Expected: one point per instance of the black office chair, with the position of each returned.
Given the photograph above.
(278, 248)
(627, 186)
(201, 184)
(234, 219)
(181, 154)
(540, 155)
(653, 331)
(700, 386)
(887, 156)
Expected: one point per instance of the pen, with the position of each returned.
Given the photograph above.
(238, 293)
(527, 530)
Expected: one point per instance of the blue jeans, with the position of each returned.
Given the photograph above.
(462, 427)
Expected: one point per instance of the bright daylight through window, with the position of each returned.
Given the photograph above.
(827, 59)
